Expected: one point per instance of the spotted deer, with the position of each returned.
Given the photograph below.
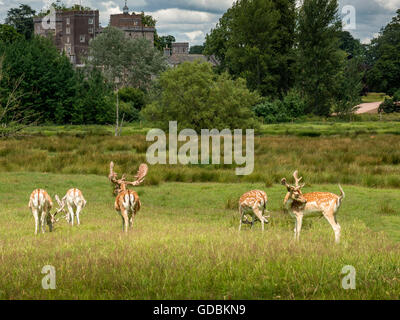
(40, 204)
(75, 202)
(127, 202)
(255, 203)
(301, 205)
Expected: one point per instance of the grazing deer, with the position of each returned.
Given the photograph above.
(40, 204)
(301, 205)
(127, 202)
(75, 202)
(254, 202)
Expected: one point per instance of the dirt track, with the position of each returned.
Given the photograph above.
(368, 107)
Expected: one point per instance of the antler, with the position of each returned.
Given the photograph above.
(61, 205)
(121, 184)
(140, 175)
(297, 179)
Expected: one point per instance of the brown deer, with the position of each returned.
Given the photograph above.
(127, 202)
(301, 205)
(75, 203)
(40, 204)
(255, 203)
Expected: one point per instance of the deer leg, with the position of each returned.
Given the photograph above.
(125, 221)
(335, 226)
(71, 215)
(299, 224)
(241, 218)
(260, 217)
(36, 217)
(78, 211)
(43, 221)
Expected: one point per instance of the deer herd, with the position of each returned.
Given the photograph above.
(127, 204)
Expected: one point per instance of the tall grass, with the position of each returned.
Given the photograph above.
(365, 160)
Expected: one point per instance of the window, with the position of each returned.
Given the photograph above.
(91, 20)
(68, 21)
(68, 30)
(91, 30)
(67, 39)
(82, 38)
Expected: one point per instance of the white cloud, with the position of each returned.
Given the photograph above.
(389, 4)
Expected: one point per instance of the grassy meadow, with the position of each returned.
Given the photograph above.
(185, 242)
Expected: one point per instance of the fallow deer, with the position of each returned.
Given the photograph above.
(301, 205)
(75, 202)
(127, 202)
(255, 203)
(40, 204)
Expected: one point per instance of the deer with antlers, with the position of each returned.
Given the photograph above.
(255, 203)
(127, 202)
(75, 202)
(301, 205)
(41, 204)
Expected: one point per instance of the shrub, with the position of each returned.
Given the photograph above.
(396, 96)
(389, 106)
(291, 107)
(134, 96)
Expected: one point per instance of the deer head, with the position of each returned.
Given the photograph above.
(122, 184)
(294, 191)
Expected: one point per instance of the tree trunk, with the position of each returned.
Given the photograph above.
(117, 117)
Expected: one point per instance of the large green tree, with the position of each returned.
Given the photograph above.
(384, 52)
(125, 62)
(255, 40)
(319, 57)
(192, 95)
(47, 78)
(21, 19)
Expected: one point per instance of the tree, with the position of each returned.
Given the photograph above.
(48, 80)
(164, 42)
(192, 95)
(8, 34)
(21, 19)
(348, 92)
(196, 49)
(255, 40)
(319, 56)
(94, 102)
(13, 117)
(125, 62)
(384, 51)
(351, 46)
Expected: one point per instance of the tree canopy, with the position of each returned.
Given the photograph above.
(192, 95)
(255, 39)
(384, 75)
(21, 19)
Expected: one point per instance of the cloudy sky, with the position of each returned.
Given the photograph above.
(191, 20)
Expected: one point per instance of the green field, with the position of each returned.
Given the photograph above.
(374, 97)
(185, 242)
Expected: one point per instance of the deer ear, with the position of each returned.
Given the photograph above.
(284, 182)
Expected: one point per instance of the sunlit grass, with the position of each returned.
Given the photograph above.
(185, 245)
